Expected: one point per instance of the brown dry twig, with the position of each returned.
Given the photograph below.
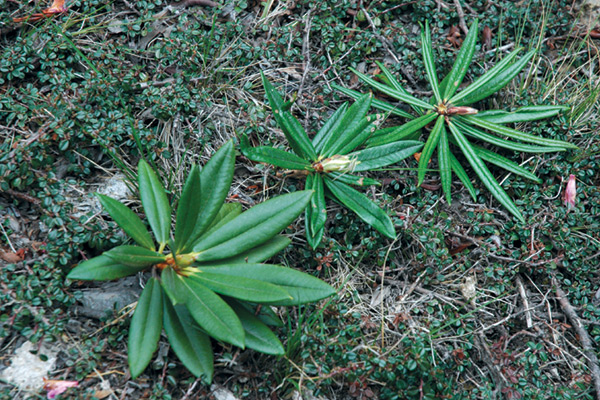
(584, 337)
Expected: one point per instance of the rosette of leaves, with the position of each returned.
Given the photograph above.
(452, 123)
(330, 159)
(208, 277)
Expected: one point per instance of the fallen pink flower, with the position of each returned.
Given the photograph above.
(571, 192)
(57, 387)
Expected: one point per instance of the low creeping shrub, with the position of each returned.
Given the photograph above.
(329, 160)
(208, 283)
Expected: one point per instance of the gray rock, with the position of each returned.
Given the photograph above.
(109, 296)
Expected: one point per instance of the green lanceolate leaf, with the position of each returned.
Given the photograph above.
(279, 158)
(500, 80)
(401, 132)
(101, 268)
(190, 344)
(363, 207)
(484, 174)
(215, 180)
(318, 213)
(505, 163)
(378, 104)
(257, 254)
(172, 284)
(444, 163)
(523, 114)
(428, 61)
(353, 122)
(302, 287)
(292, 129)
(242, 288)
(471, 131)
(212, 313)
(518, 135)
(127, 220)
(330, 125)
(228, 212)
(134, 256)
(258, 336)
(145, 328)
(188, 209)
(429, 148)
(483, 82)
(393, 92)
(155, 202)
(460, 172)
(353, 179)
(463, 60)
(253, 227)
(381, 156)
(391, 80)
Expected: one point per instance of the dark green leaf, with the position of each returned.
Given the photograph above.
(486, 83)
(430, 145)
(228, 212)
(469, 130)
(212, 313)
(328, 127)
(253, 227)
(381, 156)
(273, 156)
(318, 212)
(188, 210)
(352, 179)
(257, 254)
(242, 288)
(378, 104)
(190, 344)
(351, 124)
(145, 328)
(215, 178)
(134, 256)
(391, 81)
(302, 287)
(505, 163)
(290, 126)
(517, 135)
(155, 202)
(463, 60)
(393, 92)
(127, 220)
(462, 175)
(484, 174)
(428, 61)
(101, 268)
(523, 114)
(172, 283)
(401, 132)
(444, 163)
(363, 207)
(258, 336)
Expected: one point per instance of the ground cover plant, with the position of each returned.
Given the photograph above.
(331, 158)
(466, 302)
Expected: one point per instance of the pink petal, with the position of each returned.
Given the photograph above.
(571, 192)
(55, 387)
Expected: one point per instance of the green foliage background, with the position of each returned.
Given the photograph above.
(95, 88)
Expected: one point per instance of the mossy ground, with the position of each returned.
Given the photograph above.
(461, 305)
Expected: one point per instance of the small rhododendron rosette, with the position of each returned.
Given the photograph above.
(452, 122)
(331, 159)
(208, 278)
